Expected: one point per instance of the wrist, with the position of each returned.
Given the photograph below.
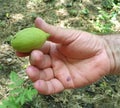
(112, 44)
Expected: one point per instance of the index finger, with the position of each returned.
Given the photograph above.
(20, 54)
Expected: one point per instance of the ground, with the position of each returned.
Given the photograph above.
(95, 16)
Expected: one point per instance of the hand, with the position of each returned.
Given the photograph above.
(70, 59)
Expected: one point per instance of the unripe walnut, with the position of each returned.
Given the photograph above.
(29, 39)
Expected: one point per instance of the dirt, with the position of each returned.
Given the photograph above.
(80, 14)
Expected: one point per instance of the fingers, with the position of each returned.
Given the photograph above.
(36, 74)
(49, 87)
(58, 35)
(22, 54)
(46, 47)
(44, 80)
(40, 60)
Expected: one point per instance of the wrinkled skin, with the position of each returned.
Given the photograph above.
(70, 59)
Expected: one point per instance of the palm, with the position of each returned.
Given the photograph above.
(76, 72)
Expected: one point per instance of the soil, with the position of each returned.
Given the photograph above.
(78, 14)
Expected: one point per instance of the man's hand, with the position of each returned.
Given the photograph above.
(69, 59)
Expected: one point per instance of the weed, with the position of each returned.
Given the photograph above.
(102, 24)
(18, 94)
(108, 4)
(85, 11)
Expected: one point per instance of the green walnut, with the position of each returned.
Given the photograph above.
(29, 39)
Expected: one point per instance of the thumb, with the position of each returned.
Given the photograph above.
(57, 34)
